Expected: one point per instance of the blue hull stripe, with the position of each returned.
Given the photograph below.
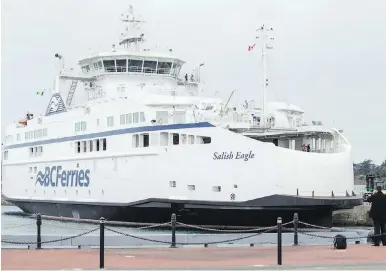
(112, 133)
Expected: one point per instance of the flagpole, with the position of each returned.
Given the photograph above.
(264, 48)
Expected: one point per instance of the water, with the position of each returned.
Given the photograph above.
(17, 226)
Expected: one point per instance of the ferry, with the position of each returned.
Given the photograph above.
(129, 137)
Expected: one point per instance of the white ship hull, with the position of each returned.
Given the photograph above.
(256, 179)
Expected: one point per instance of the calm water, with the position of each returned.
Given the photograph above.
(16, 223)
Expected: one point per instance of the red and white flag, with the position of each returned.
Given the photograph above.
(251, 47)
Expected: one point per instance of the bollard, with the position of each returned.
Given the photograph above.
(279, 225)
(102, 243)
(39, 228)
(296, 224)
(174, 222)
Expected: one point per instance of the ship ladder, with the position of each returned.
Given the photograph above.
(71, 93)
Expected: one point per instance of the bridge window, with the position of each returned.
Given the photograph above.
(149, 66)
(135, 65)
(100, 65)
(84, 146)
(77, 144)
(176, 69)
(121, 65)
(164, 67)
(18, 137)
(97, 144)
(95, 65)
(5, 155)
(109, 65)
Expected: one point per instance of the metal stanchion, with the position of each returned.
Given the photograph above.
(296, 224)
(102, 243)
(279, 229)
(39, 231)
(174, 222)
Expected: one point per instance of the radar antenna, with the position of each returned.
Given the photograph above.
(132, 36)
(264, 34)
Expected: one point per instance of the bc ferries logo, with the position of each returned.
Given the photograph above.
(55, 177)
(56, 105)
(229, 156)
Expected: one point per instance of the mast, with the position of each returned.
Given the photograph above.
(264, 36)
(132, 36)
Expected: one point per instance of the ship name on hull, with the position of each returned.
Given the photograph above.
(233, 156)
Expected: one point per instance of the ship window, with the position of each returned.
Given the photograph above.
(129, 118)
(5, 155)
(77, 143)
(104, 144)
(36, 151)
(83, 126)
(191, 187)
(164, 67)
(164, 139)
(87, 67)
(97, 121)
(172, 184)
(135, 141)
(206, 140)
(77, 127)
(91, 145)
(110, 121)
(135, 65)
(31, 151)
(190, 139)
(18, 137)
(176, 69)
(183, 139)
(40, 149)
(162, 117)
(84, 146)
(145, 140)
(45, 132)
(109, 65)
(216, 188)
(30, 170)
(100, 65)
(142, 116)
(176, 139)
(122, 119)
(121, 65)
(95, 66)
(35, 169)
(136, 117)
(97, 144)
(149, 66)
(154, 139)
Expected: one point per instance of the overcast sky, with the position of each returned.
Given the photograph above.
(329, 57)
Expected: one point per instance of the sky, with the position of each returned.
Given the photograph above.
(329, 57)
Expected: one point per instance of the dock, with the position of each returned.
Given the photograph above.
(310, 257)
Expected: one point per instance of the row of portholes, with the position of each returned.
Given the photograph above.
(65, 192)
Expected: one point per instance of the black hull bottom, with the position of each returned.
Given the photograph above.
(199, 213)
